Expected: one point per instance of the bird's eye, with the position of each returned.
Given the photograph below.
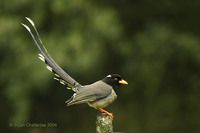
(115, 79)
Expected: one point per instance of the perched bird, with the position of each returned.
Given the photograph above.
(98, 95)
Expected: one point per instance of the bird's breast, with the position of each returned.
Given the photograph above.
(104, 102)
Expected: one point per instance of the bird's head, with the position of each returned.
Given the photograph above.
(114, 80)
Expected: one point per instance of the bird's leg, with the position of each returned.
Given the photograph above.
(104, 112)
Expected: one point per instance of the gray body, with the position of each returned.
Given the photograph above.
(97, 95)
(104, 102)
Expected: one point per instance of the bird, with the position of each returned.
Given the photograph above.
(97, 95)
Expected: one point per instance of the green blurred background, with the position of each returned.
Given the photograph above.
(154, 45)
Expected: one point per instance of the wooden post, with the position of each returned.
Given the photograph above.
(104, 124)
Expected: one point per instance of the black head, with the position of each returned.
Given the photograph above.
(114, 80)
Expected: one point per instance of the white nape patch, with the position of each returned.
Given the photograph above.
(49, 68)
(41, 57)
(109, 76)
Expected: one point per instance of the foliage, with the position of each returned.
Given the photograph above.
(153, 45)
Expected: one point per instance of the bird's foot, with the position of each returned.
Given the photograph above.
(107, 113)
(104, 112)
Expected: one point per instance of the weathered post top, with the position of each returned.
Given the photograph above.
(104, 124)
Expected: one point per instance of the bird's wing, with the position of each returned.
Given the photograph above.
(60, 74)
(90, 93)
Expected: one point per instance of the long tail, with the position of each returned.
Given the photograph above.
(60, 74)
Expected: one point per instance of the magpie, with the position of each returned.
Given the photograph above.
(97, 95)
